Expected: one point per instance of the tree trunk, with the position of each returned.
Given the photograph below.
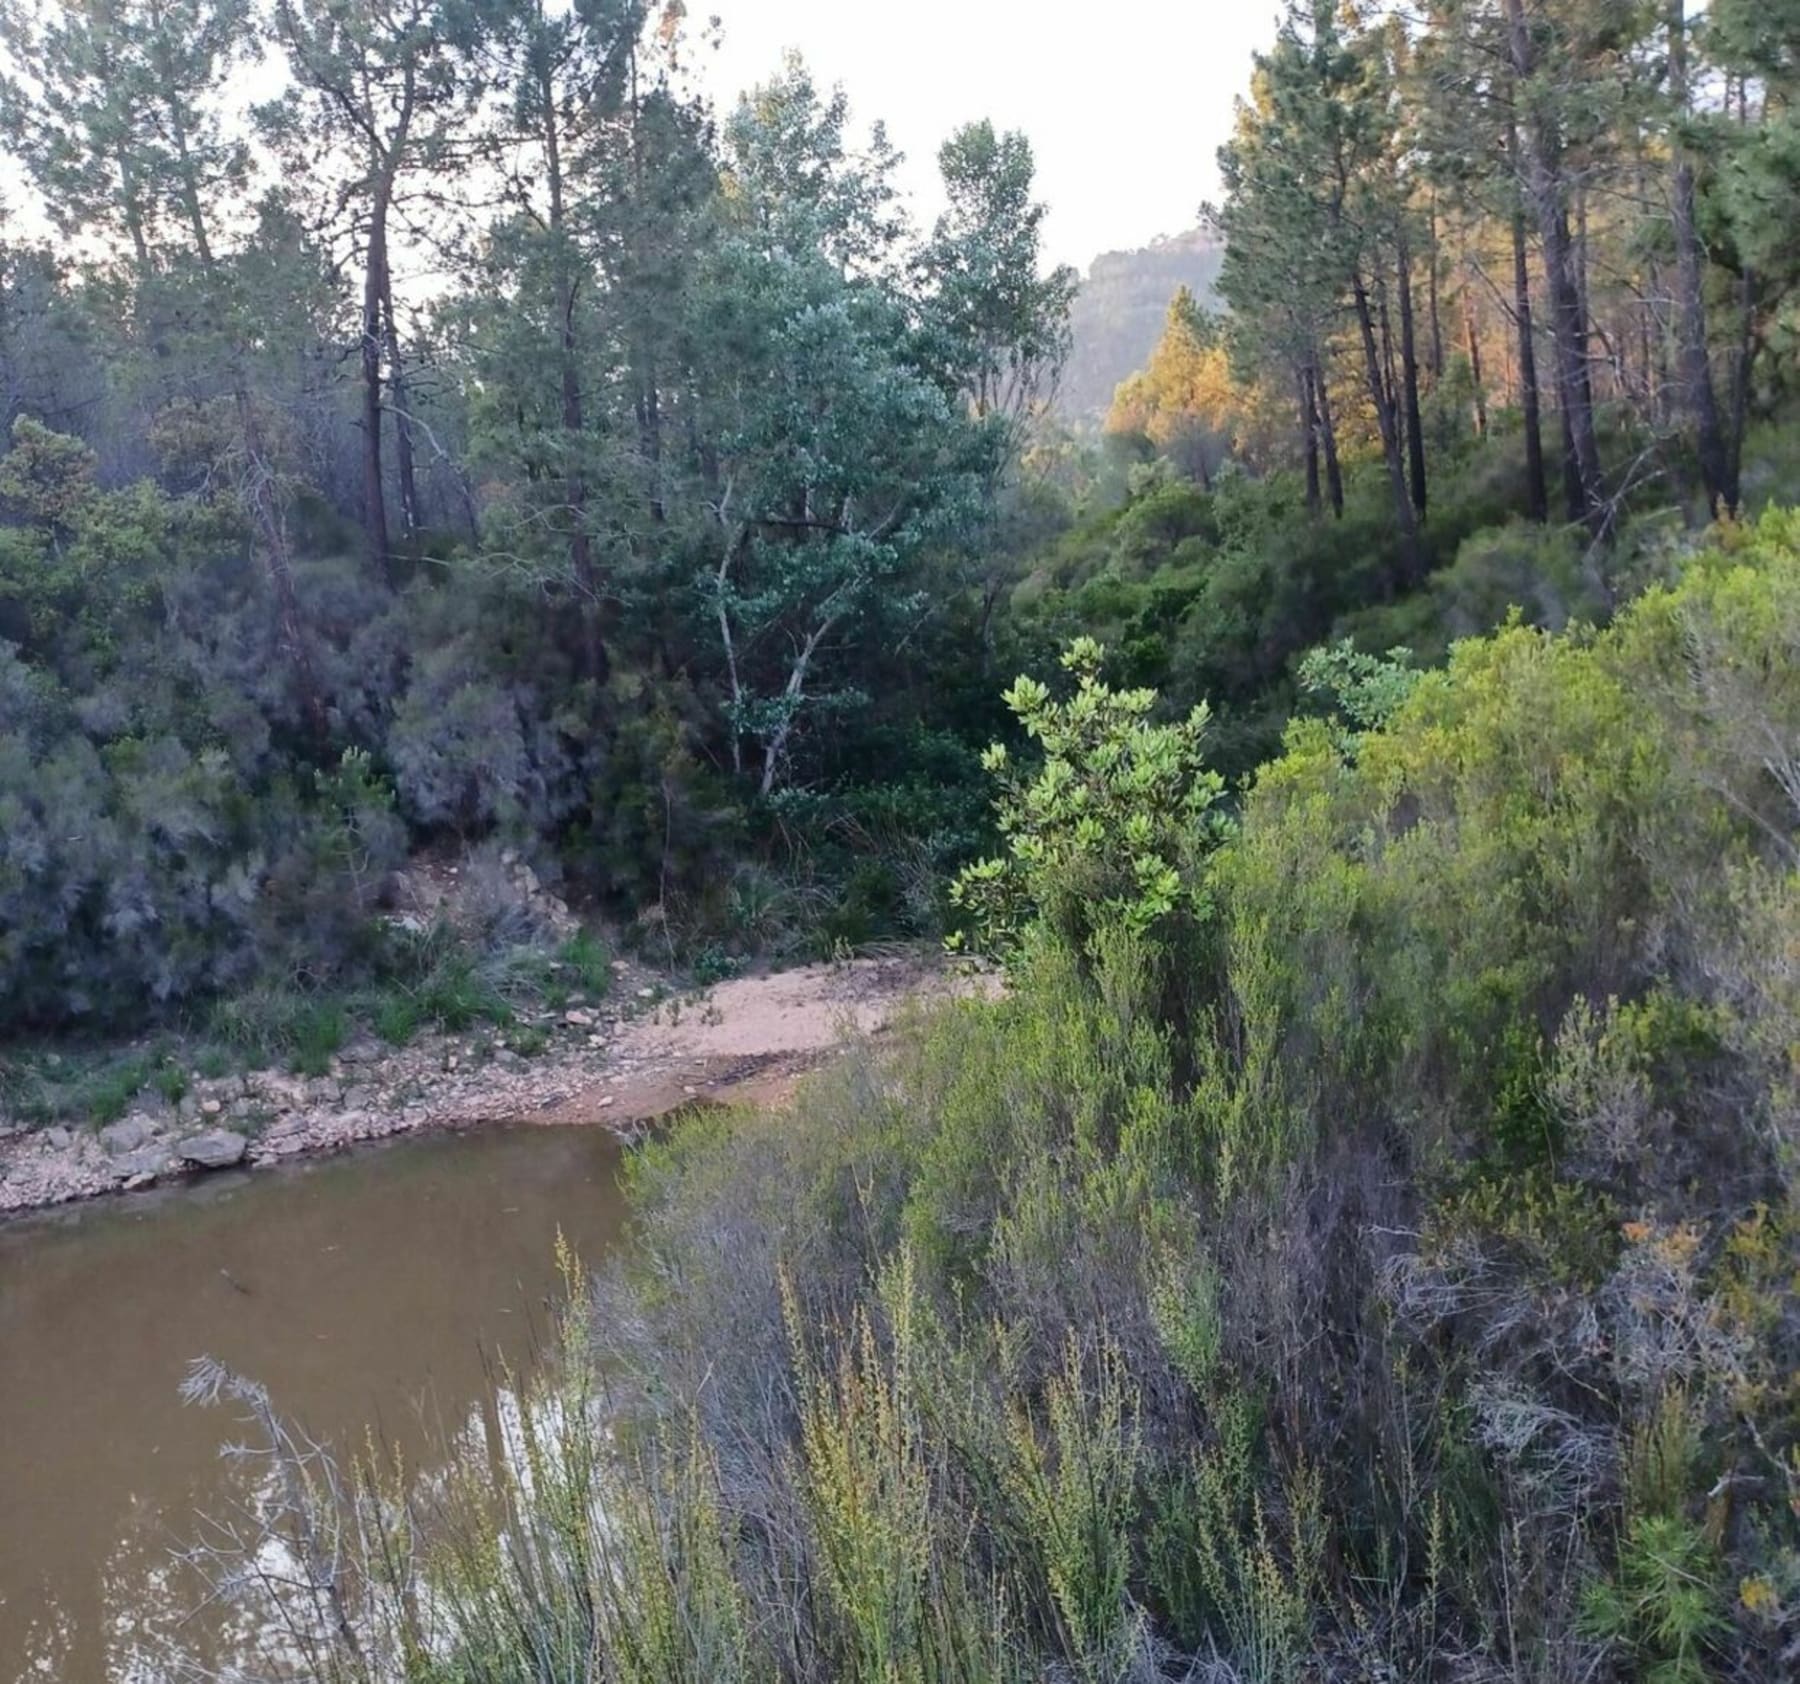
(375, 529)
(1309, 436)
(1568, 320)
(1696, 368)
(1388, 422)
(411, 520)
(1569, 339)
(648, 399)
(1334, 473)
(1472, 338)
(1746, 343)
(1537, 493)
(1740, 378)
(265, 499)
(1389, 374)
(581, 550)
(1409, 374)
(1431, 294)
(262, 486)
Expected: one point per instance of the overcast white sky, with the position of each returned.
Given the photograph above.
(1125, 104)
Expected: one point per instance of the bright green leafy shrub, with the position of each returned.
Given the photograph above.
(1114, 828)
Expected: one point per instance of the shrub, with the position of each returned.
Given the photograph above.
(1114, 827)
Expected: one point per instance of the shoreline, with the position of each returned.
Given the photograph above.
(747, 1039)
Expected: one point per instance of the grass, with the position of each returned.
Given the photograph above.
(398, 1019)
(429, 983)
(588, 962)
(279, 1026)
(43, 1085)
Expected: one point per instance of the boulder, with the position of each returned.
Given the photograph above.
(215, 1149)
(126, 1135)
(140, 1168)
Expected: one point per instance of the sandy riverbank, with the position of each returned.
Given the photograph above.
(621, 1065)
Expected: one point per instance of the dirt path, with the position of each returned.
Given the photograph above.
(747, 1039)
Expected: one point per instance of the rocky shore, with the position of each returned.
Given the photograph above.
(619, 1063)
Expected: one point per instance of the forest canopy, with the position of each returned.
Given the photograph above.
(438, 427)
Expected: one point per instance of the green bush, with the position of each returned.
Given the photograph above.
(1373, 1258)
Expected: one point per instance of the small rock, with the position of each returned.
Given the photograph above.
(216, 1149)
(211, 1107)
(126, 1135)
(59, 1137)
(605, 1101)
(646, 993)
(579, 1019)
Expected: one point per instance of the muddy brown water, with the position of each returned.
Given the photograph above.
(370, 1292)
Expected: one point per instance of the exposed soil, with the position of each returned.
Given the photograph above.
(622, 1064)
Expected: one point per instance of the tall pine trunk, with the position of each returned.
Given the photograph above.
(647, 399)
(1472, 340)
(1431, 294)
(595, 662)
(1388, 422)
(1334, 473)
(1568, 318)
(1537, 493)
(400, 402)
(1309, 438)
(1409, 376)
(1697, 392)
(1746, 341)
(375, 527)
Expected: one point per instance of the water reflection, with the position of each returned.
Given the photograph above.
(371, 1294)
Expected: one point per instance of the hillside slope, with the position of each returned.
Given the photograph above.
(1119, 313)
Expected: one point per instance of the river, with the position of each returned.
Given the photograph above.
(369, 1293)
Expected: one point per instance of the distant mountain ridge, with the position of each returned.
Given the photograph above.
(1118, 315)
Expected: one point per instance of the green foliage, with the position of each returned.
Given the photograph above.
(868, 1499)
(1367, 690)
(304, 1031)
(1114, 829)
(1075, 1485)
(588, 963)
(1662, 1606)
(1362, 1236)
(1453, 1373)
